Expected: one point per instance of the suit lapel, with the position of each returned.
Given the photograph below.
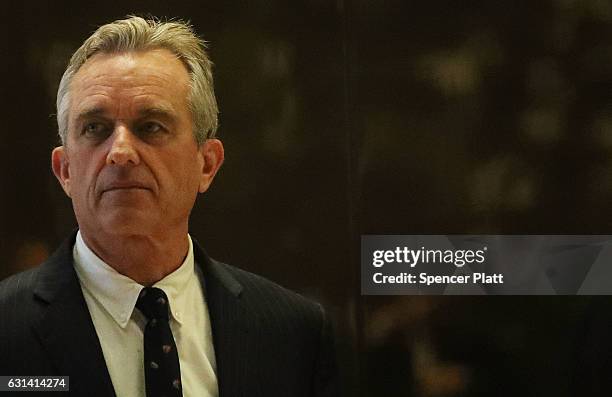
(67, 333)
(232, 329)
(66, 330)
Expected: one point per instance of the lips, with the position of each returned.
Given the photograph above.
(124, 186)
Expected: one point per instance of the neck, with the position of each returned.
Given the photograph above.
(145, 259)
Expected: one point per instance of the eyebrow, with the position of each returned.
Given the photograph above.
(90, 113)
(156, 111)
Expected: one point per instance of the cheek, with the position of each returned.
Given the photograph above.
(189, 179)
(184, 172)
(83, 171)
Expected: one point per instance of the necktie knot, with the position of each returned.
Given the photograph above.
(153, 303)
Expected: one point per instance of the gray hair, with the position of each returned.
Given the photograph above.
(137, 34)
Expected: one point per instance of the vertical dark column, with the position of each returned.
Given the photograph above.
(29, 134)
(12, 126)
(352, 135)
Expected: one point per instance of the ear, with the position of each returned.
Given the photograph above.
(59, 164)
(212, 154)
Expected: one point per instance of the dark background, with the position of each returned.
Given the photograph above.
(350, 117)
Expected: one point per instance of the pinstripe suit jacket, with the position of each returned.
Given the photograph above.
(268, 341)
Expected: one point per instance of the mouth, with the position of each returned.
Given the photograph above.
(129, 187)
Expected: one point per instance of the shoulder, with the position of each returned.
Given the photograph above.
(23, 295)
(18, 289)
(289, 328)
(54, 274)
(19, 310)
(260, 292)
(273, 303)
(20, 305)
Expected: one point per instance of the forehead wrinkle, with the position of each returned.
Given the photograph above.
(127, 84)
(142, 103)
(126, 63)
(112, 82)
(136, 90)
(89, 112)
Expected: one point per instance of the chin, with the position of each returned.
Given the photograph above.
(125, 223)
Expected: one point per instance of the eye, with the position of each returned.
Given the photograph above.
(95, 129)
(150, 127)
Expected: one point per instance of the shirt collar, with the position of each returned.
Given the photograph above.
(118, 293)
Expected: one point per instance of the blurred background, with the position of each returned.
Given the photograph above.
(350, 117)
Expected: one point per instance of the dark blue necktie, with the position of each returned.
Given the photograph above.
(161, 362)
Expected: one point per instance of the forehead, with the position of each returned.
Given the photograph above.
(132, 79)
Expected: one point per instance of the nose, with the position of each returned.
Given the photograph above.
(123, 149)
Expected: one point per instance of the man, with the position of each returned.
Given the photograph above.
(130, 305)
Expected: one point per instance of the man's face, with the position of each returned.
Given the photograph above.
(130, 162)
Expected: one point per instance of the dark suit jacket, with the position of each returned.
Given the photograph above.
(268, 341)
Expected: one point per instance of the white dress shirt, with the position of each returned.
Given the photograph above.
(111, 299)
